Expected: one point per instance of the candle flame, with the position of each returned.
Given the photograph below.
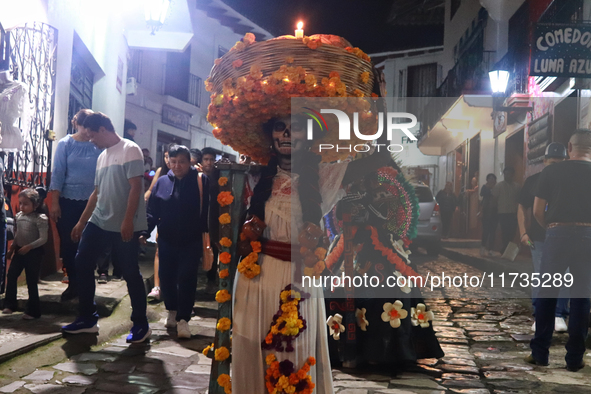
(300, 24)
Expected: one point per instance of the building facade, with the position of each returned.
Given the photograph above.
(167, 100)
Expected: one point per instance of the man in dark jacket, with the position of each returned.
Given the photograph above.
(179, 208)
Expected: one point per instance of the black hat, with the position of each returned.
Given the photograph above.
(556, 149)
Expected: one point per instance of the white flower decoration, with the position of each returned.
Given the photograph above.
(334, 323)
(418, 316)
(361, 320)
(399, 247)
(407, 283)
(393, 313)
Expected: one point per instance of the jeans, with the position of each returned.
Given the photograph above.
(178, 276)
(508, 222)
(489, 228)
(94, 243)
(565, 247)
(563, 295)
(71, 212)
(31, 263)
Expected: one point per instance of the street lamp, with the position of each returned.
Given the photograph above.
(156, 11)
(498, 83)
(499, 80)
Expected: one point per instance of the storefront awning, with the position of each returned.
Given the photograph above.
(464, 119)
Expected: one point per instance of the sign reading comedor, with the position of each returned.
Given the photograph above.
(561, 50)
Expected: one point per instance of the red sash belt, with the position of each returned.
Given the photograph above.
(280, 250)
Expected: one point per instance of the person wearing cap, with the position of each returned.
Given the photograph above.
(534, 235)
(562, 207)
(505, 195)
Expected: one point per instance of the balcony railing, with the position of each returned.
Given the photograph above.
(195, 90)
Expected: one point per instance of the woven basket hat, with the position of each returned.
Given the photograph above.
(255, 81)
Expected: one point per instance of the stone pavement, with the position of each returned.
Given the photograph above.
(484, 335)
(18, 336)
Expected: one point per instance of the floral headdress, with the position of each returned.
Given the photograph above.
(255, 81)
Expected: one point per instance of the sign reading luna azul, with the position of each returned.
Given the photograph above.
(561, 50)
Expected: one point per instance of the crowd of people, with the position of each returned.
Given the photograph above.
(106, 202)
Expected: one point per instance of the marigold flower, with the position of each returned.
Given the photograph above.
(222, 181)
(289, 59)
(320, 253)
(237, 63)
(225, 242)
(207, 349)
(334, 74)
(223, 296)
(239, 47)
(225, 218)
(225, 199)
(225, 258)
(313, 44)
(270, 358)
(256, 246)
(224, 379)
(224, 273)
(222, 354)
(311, 361)
(364, 77)
(224, 324)
(249, 38)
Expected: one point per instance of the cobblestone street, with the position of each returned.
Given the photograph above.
(485, 338)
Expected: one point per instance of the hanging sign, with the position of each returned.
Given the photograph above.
(561, 50)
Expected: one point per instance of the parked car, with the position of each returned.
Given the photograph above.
(429, 226)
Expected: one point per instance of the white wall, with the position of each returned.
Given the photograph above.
(145, 108)
(101, 35)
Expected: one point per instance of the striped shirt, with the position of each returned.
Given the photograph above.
(114, 167)
(31, 229)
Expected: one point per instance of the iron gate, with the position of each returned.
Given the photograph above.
(32, 61)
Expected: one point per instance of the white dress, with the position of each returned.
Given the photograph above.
(257, 300)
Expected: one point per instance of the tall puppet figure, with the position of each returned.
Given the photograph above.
(279, 335)
(393, 326)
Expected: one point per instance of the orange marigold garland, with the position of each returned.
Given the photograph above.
(225, 218)
(282, 378)
(225, 242)
(224, 273)
(392, 257)
(222, 354)
(287, 323)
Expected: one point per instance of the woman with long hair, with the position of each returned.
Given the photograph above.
(161, 171)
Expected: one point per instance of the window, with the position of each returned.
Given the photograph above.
(424, 194)
(178, 75)
(195, 84)
(134, 68)
(81, 84)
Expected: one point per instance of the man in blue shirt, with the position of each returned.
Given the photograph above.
(113, 217)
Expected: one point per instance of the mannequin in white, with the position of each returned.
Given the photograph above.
(13, 105)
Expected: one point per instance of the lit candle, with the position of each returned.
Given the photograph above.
(299, 33)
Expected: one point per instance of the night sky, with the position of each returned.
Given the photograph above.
(363, 23)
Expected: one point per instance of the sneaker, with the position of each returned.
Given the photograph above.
(65, 279)
(575, 368)
(531, 360)
(154, 294)
(82, 325)
(69, 294)
(139, 334)
(171, 320)
(560, 325)
(102, 279)
(182, 330)
(7, 311)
